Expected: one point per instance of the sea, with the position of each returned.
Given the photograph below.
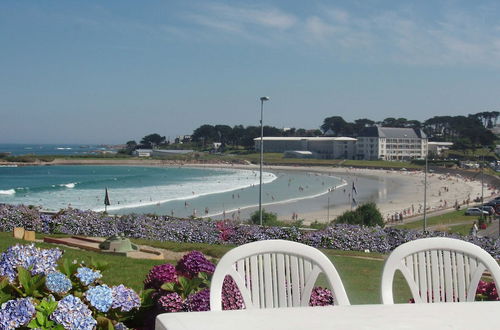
(176, 191)
(60, 149)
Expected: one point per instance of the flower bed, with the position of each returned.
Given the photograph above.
(165, 228)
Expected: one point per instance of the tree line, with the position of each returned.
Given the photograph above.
(465, 131)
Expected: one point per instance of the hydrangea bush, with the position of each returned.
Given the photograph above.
(164, 228)
(37, 292)
(186, 287)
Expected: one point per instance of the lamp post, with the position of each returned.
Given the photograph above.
(425, 188)
(262, 99)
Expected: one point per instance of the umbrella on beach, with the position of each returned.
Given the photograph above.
(106, 200)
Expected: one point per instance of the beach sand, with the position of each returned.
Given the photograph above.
(401, 193)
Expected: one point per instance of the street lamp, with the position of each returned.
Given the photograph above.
(262, 99)
(425, 187)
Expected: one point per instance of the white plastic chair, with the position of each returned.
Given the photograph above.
(275, 273)
(438, 269)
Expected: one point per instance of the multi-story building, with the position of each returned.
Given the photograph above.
(320, 147)
(391, 143)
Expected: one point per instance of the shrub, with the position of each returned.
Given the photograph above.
(365, 215)
(268, 218)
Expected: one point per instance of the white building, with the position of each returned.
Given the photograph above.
(143, 152)
(391, 143)
(320, 147)
(438, 147)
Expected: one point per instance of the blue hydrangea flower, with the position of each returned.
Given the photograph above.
(38, 261)
(87, 276)
(101, 297)
(16, 313)
(124, 298)
(72, 313)
(120, 326)
(58, 282)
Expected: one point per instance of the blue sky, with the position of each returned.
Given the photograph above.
(110, 71)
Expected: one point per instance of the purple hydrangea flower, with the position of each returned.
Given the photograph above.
(87, 276)
(58, 282)
(193, 263)
(321, 297)
(124, 298)
(231, 295)
(170, 303)
(16, 313)
(160, 274)
(38, 261)
(199, 301)
(101, 297)
(72, 313)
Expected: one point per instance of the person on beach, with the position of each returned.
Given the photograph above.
(474, 229)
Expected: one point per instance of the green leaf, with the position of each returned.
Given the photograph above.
(183, 282)
(4, 282)
(24, 277)
(4, 297)
(169, 286)
(40, 318)
(34, 324)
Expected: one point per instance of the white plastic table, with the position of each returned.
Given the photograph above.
(473, 315)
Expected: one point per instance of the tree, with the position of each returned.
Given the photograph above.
(338, 125)
(366, 215)
(268, 218)
(205, 134)
(152, 140)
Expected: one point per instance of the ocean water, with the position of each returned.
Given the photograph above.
(160, 190)
(61, 149)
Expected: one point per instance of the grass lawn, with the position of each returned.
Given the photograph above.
(443, 221)
(360, 272)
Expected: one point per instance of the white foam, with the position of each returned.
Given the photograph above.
(68, 185)
(212, 185)
(7, 192)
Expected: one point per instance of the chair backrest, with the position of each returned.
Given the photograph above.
(275, 273)
(438, 269)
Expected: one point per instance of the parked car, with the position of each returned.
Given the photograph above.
(488, 208)
(475, 211)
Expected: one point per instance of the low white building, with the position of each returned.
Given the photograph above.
(391, 143)
(143, 152)
(320, 147)
(437, 148)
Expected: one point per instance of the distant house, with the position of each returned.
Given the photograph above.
(320, 147)
(438, 147)
(391, 143)
(143, 152)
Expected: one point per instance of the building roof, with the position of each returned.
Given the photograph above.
(300, 152)
(444, 144)
(172, 151)
(308, 138)
(392, 132)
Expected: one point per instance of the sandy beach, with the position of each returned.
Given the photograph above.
(396, 193)
(401, 193)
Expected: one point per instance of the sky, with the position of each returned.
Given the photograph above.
(113, 71)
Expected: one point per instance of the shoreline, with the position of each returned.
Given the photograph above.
(400, 192)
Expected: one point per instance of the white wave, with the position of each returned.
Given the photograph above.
(7, 192)
(61, 148)
(215, 186)
(68, 185)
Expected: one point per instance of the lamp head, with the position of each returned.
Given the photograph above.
(264, 98)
